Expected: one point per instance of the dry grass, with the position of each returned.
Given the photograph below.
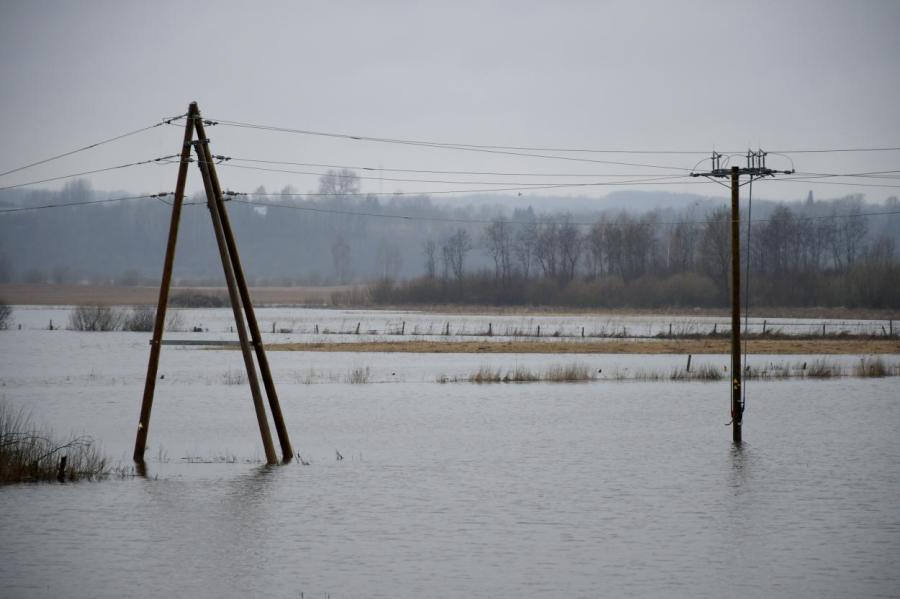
(876, 367)
(28, 454)
(568, 373)
(359, 376)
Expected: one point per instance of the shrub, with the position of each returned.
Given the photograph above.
(141, 318)
(191, 298)
(5, 314)
(95, 318)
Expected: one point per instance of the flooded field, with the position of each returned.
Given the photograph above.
(604, 488)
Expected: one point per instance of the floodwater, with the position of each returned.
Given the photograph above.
(447, 490)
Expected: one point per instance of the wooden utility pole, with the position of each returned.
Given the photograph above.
(737, 410)
(205, 159)
(756, 168)
(160, 322)
(237, 291)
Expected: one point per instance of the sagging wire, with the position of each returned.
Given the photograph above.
(167, 121)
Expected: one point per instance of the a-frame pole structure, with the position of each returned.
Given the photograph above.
(238, 293)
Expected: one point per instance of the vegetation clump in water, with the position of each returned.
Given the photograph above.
(28, 454)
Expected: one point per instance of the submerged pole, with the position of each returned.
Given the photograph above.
(140, 442)
(736, 408)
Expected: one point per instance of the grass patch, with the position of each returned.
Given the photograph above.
(569, 373)
(233, 377)
(28, 454)
(359, 376)
(875, 368)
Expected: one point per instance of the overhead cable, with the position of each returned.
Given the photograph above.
(162, 159)
(93, 145)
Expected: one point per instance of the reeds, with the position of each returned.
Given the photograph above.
(875, 367)
(28, 454)
(359, 376)
(568, 373)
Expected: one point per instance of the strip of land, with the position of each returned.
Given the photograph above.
(667, 346)
(41, 294)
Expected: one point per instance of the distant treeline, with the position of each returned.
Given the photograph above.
(665, 250)
(797, 257)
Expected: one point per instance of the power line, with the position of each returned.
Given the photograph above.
(159, 196)
(660, 180)
(441, 181)
(91, 172)
(438, 145)
(430, 171)
(93, 145)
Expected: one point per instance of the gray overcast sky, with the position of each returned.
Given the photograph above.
(606, 75)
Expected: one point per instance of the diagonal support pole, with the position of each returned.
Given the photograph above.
(203, 150)
(140, 443)
(234, 296)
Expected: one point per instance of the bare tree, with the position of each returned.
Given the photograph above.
(340, 255)
(339, 183)
(525, 246)
(546, 249)
(499, 244)
(389, 260)
(569, 240)
(715, 249)
(430, 249)
(455, 249)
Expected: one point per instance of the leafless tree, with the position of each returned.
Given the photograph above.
(525, 246)
(546, 249)
(569, 240)
(340, 255)
(498, 240)
(455, 249)
(339, 183)
(389, 260)
(715, 249)
(430, 248)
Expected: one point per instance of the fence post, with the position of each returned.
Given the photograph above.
(688, 369)
(764, 328)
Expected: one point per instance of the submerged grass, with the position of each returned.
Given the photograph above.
(817, 369)
(568, 373)
(29, 454)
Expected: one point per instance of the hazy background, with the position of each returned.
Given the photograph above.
(674, 79)
(604, 75)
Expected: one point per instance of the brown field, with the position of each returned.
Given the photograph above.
(668, 346)
(78, 295)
